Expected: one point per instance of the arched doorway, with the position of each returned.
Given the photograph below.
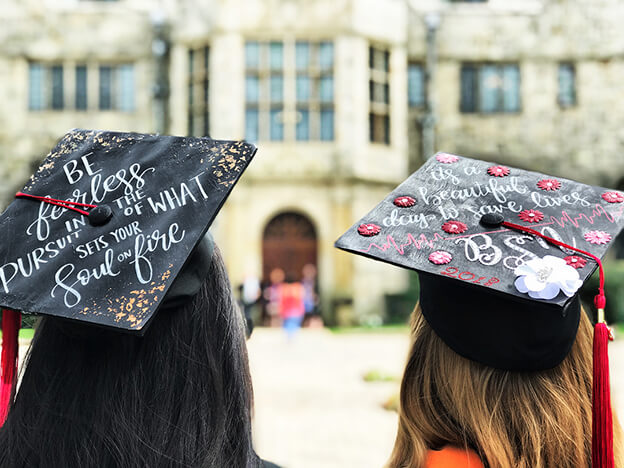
(288, 242)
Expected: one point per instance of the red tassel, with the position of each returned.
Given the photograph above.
(602, 419)
(11, 322)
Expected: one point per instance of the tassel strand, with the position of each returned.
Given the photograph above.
(602, 418)
(11, 322)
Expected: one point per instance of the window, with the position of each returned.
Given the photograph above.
(264, 91)
(57, 87)
(490, 88)
(199, 92)
(566, 96)
(415, 85)
(116, 89)
(81, 87)
(45, 87)
(47, 91)
(106, 88)
(268, 114)
(315, 91)
(379, 95)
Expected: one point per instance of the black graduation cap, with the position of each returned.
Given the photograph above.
(106, 224)
(494, 284)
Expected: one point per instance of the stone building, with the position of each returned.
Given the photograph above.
(335, 95)
(533, 83)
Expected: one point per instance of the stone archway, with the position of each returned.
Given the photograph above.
(289, 242)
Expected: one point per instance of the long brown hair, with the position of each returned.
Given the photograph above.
(511, 419)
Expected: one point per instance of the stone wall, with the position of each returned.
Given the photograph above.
(584, 142)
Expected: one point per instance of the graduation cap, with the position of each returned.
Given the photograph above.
(501, 254)
(108, 222)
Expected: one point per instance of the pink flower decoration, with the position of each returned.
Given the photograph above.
(440, 257)
(446, 158)
(404, 201)
(549, 184)
(531, 216)
(368, 229)
(597, 237)
(498, 171)
(613, 197)
(575, 261)
(454, 227)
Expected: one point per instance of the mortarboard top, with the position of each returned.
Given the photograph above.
(494, 294)
(155, 198)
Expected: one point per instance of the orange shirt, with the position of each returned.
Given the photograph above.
(452, 457)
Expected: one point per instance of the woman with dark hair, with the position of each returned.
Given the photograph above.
(501, 372)
(180, 395)
(140, 358)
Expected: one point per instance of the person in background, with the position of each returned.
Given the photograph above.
(292, 307)
(249, 293)
(272, 296)
(310, 296)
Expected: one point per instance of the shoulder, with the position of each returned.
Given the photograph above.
(453, 457)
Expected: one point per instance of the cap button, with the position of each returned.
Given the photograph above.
(100, 215)
(492, 219)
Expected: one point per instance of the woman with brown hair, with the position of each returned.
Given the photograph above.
(506, 419)
(500, 373)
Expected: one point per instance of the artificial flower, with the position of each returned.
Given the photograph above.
(404, 201)
(368, 229)
(446, 158)
(549, 184)
(454, 227)
(613, 197)
(498, 171)
(597, 237)
(575, 261)
(440, 257)
(544, 278)
(531, 216)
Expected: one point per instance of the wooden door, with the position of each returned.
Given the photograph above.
(289, 242)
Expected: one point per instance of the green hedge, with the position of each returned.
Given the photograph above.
(399, 306)
(614, 289)
(28, 320)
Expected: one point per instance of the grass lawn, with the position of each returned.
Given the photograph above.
(377, 375)
(25, 333)
(400, 328)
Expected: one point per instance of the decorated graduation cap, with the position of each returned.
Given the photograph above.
(111, 228)
(501, 254)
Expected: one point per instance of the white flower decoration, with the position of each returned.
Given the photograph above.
(543, 278)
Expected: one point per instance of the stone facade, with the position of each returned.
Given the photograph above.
(583, 141)
(331, 183)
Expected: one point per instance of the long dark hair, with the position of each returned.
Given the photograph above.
(179, 396)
